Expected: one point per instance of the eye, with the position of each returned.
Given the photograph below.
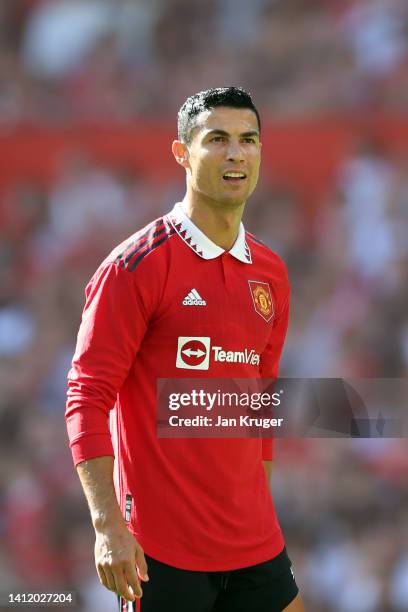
(249, 139)
(217, 139)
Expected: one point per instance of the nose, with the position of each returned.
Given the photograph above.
(234, 151)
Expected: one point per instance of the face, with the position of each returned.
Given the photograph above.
(223, 158)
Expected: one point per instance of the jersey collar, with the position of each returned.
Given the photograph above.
(200, 243)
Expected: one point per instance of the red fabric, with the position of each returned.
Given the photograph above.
(198, 504)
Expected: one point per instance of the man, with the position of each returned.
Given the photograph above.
(196, 514)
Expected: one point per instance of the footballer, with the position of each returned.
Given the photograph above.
(184, 525)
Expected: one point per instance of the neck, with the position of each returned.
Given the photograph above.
(220, 224)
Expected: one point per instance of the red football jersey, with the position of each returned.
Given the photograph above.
(198, 504)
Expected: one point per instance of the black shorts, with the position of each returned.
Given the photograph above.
(266, 587)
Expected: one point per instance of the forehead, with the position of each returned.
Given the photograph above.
(231, 120)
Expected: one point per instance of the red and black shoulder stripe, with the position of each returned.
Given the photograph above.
(250, 236)
(266, 250)
(144, 242)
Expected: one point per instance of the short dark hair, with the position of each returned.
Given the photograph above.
(235, 97)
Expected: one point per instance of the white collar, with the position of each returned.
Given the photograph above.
(200, 243)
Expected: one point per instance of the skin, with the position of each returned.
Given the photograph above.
(268, 470)
(224, 139)
(119, 558)
(296, 605)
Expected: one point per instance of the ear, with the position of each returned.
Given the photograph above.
(180, 153)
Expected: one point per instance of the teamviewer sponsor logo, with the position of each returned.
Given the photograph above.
(193, 353)
(246, 356)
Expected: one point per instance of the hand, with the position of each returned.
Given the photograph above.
(117, 557)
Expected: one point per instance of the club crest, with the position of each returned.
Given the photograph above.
(262, 299)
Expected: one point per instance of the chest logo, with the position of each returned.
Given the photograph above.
(193, 298)
(262, 299)
(193, 353)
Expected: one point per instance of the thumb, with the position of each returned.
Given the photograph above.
(141, 564)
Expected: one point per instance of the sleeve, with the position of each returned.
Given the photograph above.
(270, 358)
(113, 325)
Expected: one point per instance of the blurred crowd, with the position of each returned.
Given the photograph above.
(342, 503)
(64, 60)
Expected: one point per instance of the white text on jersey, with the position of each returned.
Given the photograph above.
(246, 356)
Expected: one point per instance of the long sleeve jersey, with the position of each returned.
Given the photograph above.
(158, 307)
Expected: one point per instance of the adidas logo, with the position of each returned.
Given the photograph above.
(193, 298)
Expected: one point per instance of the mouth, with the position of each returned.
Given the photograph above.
(234, 177)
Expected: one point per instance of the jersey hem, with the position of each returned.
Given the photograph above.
(187, 562)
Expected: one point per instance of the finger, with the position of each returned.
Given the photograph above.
(122, 588)
(110, 581)
(141, 564)
(133, 580)
(102, 577)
